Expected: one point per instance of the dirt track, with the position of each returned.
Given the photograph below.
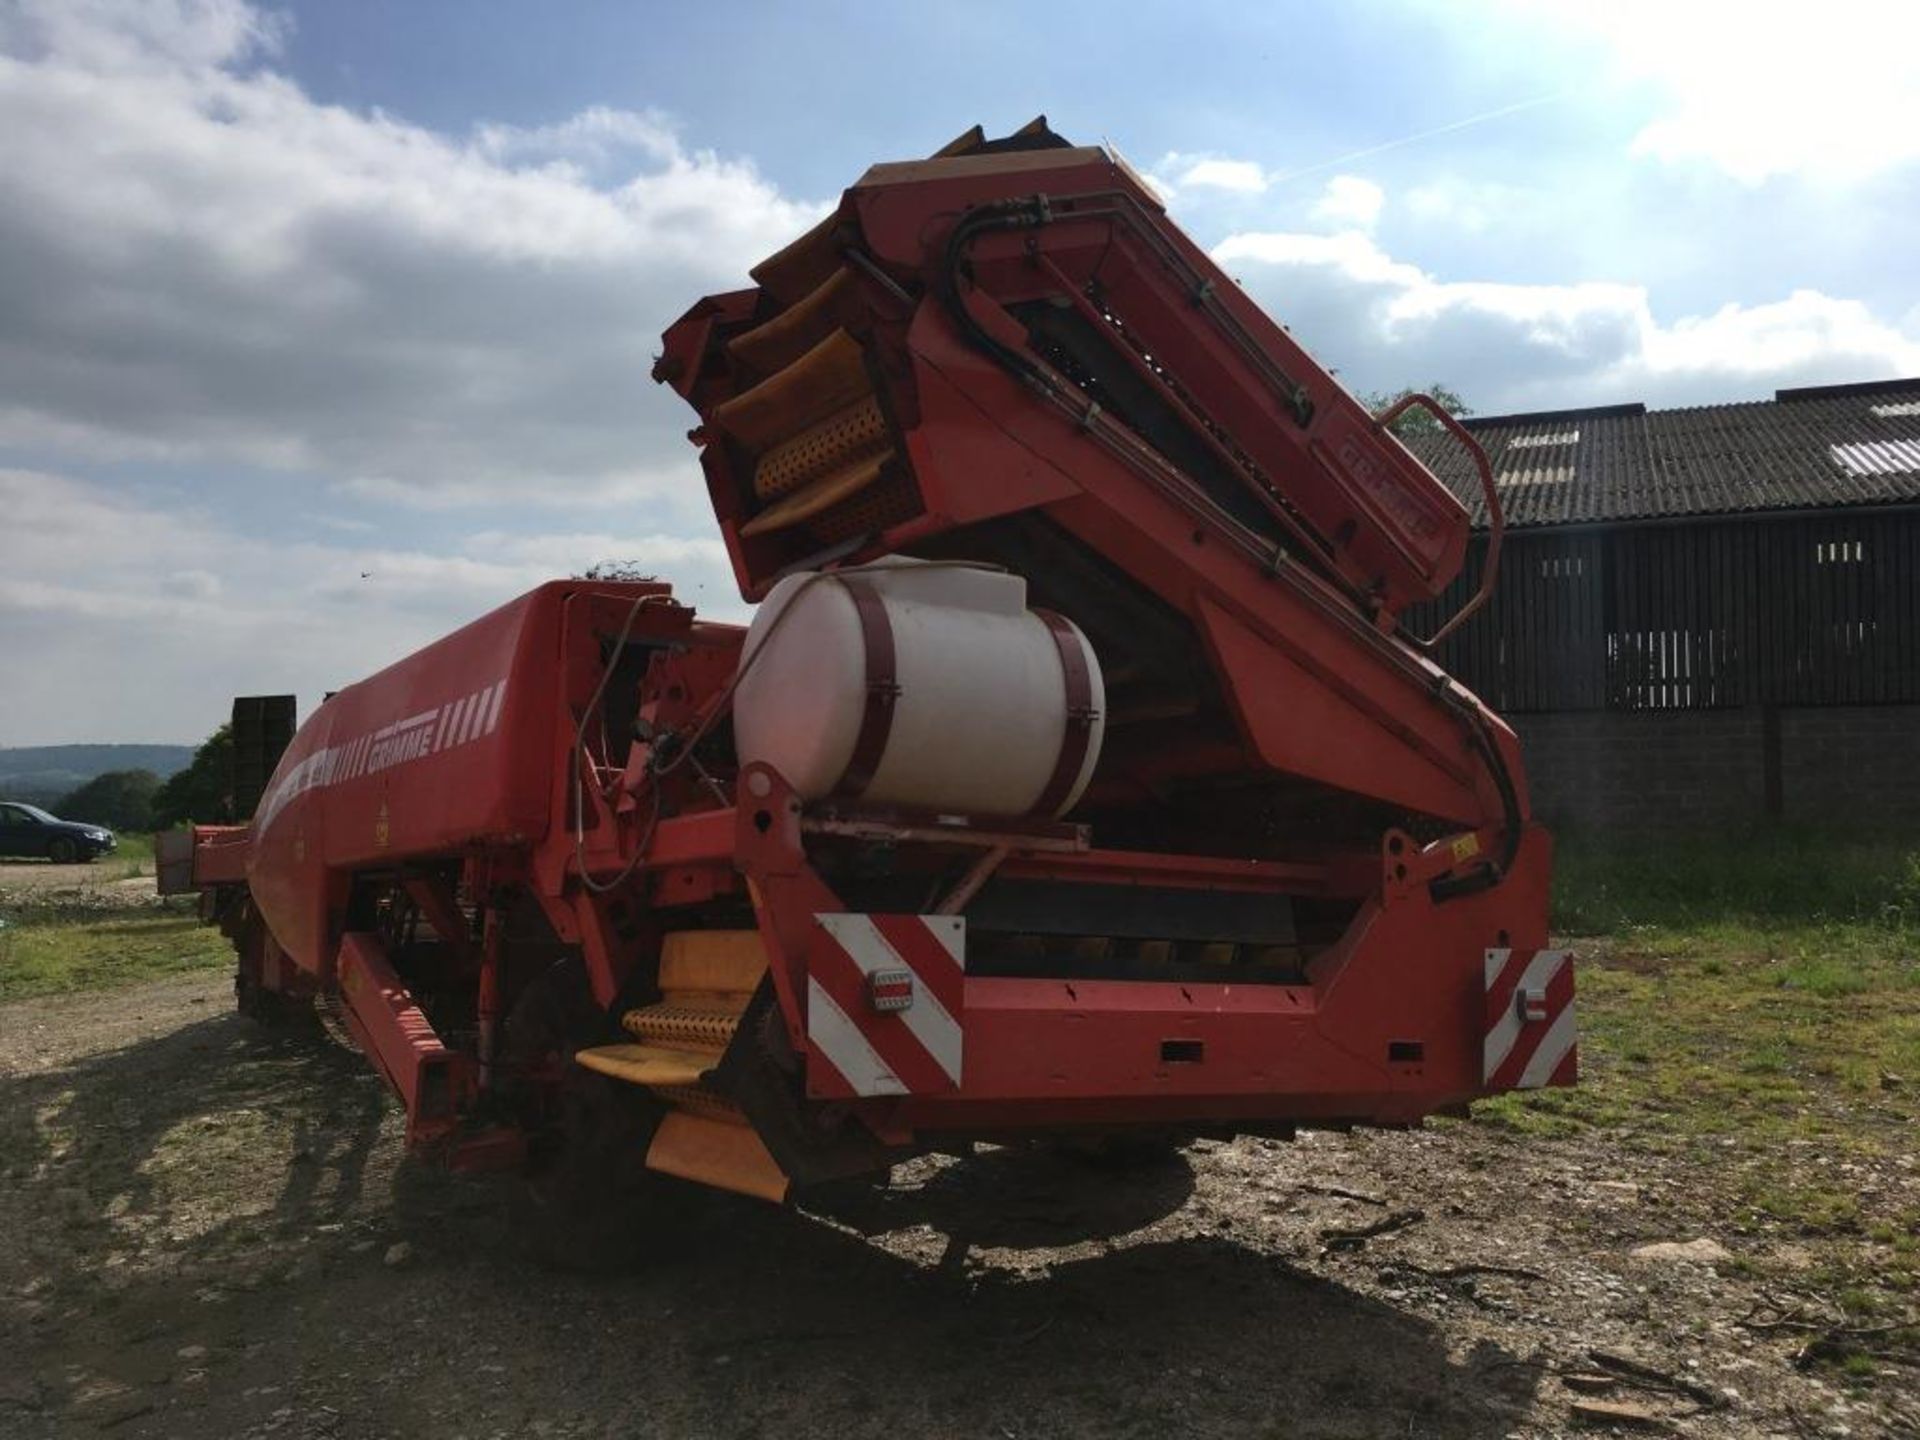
(196, 1221)
(102, 877)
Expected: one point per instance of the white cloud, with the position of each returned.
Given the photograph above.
(205, 265)
(1384, 323)
(1177, 172)
(1786, 337)
(1241, 176)
(105, 597)
(196, 584)
(1351, 255)
(596, 134)
(126, 35)
(1473, 207)
(1768, 88)
(1349, 201)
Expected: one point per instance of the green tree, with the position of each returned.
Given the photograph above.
(203, 792)
(1418, 421)
(119, 799)
(620, 570)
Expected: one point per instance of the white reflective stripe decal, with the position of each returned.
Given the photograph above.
(1496, 962)
(474, 703)
(953, 939)
(397, 743)
(459, 719)
(841, 1044)
(1504, 1035)
(1553, 1049)
(423, 718)
(936, 1030)
(481, 704)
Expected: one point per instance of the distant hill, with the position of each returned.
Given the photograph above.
(43, 773)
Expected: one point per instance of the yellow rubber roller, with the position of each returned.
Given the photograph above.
(647, 1064)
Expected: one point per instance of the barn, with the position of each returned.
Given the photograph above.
(1704, 616)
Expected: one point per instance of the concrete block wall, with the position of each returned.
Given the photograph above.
(1609, 770)
(1852, 762)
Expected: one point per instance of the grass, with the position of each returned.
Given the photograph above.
(1765, 989)
(48, 948)
(1764, 984)
(1751, 881)
(133, 856)
(1751, 1005)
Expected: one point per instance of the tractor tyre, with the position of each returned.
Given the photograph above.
(586, 1202)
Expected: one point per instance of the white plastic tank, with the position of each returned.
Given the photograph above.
(992, 709)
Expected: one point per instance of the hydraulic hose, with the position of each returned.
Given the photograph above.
(1481, 740)
(1033, 213)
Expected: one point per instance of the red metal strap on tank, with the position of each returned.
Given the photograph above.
(1078, 735)
(883, 687)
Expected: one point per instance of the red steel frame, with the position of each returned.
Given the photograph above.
(431, 1080)
(470, 752)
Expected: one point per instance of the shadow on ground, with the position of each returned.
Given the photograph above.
(199, 1225)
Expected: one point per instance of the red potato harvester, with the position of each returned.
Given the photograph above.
(1075, 778)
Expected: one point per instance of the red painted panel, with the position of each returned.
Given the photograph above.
(396, 1035)
(451, 748)
(1302, 725)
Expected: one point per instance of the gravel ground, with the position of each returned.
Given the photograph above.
(208, 1230)
(104, 881)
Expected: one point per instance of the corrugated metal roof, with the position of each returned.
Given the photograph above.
(1804, 449)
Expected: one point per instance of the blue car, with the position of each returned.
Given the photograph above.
(29, 830)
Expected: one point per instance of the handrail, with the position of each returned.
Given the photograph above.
(1496, 517)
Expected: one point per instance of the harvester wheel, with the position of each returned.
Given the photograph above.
(587, 1198)
(273, 1008)
(1121, 1154)
(586, 1202)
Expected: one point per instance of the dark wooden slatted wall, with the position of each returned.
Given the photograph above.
(1821, 610)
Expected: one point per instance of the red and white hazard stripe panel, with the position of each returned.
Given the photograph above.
(886, 1004)
(1531, 1036)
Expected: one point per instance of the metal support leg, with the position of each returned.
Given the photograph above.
(488, 1004)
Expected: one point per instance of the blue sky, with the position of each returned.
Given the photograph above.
(325, 327)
